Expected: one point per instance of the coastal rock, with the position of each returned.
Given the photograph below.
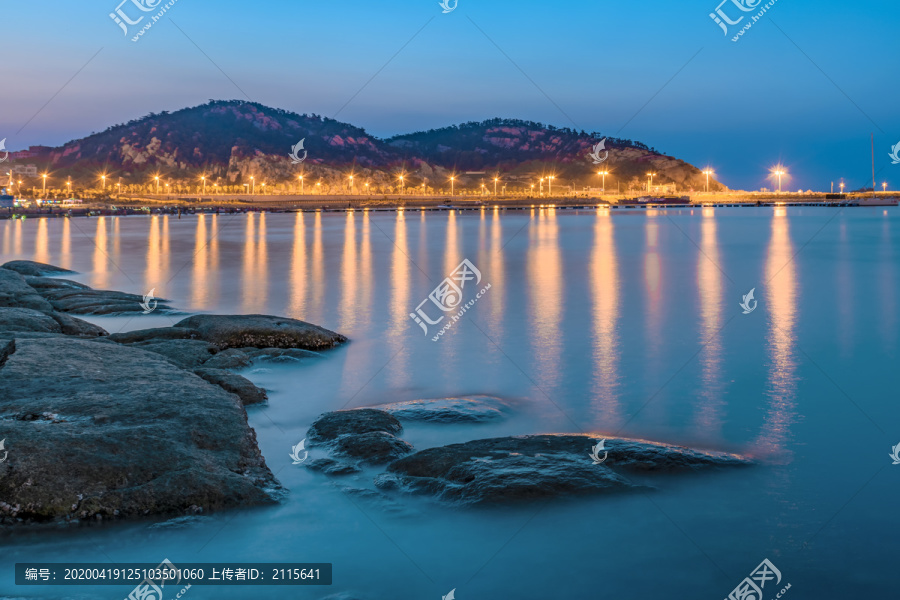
(78, 327)
(154, 334)
(87, 301)
(187, 354)
(520, 468)
(130, 436)
(16, 293)
(376, 447)
(44, 283)
(261, 331)
(26, 319)
(235, 384)
(36, 269)
(233, 358)
(330, 466)
(466, 409)
(281, 355)
(333, 425)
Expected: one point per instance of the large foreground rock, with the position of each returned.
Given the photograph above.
(261, 331)
(536, 466)
(16, 293)
(103, 430)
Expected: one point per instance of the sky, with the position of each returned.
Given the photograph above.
(805, 86)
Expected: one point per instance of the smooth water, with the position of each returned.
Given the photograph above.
(623, 324)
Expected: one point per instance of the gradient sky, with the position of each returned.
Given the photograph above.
(806, 85)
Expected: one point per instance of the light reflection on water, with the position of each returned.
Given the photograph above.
(601, 312)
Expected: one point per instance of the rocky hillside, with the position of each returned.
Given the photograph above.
(233, 140)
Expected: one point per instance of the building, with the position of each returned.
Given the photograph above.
(25, 170)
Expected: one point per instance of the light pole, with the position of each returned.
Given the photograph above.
(203, 179)
(650, 181)
(252, 185)
(532, 189)
(884, 186)
(550, 185)
(452, 181)
(495, 186)
(69, 185)
(300, 177)
(103, 177)
(542, 187)
(44, 188)
(842, 187)
(157, 183)
(780, 172)
(401, 185)
(604, 174)
(707, 173)
(351, 184)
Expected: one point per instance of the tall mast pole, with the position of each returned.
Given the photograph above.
(873, 164)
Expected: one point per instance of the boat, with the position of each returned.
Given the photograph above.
(868, 201)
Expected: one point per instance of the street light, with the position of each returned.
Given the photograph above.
(252, 184)
(495, 186)
(157, 183)
(842, 187)
(300, 177)
(650, 181)
(884, 186)
(203, 179)
(69, 185)
(604, 174)
(550, 185)
(103, 177)
(542, 186)
(44, 189)
(707, 172)
(452, 181)
(401, 184)
(351, 184)
(780, 172)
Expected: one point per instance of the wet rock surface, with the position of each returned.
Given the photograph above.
(102, 426)
(464, 409)
(30, 267)
(233, 383)
(119, 432)
(261, 331)
(511, 469)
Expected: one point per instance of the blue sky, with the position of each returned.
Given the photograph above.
(806, 85)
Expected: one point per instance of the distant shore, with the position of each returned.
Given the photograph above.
(187, 204)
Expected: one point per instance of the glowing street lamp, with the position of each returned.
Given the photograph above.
(842, 187)
(604, 174)
(44, 189)
(550, 185)
(103, 177)
(351, 184)
(69, 185)
(300, 177)
(708, 172)
(495, 186)
(884, 186)
(452, 181)
(401, 184)
(203, 179)
(650, 181)
(252, 184)
(542, 186)
(780, 172)
(157, 183)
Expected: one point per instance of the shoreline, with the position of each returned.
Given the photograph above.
(234, 205)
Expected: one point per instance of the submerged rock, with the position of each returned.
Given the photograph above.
(30, 267)
(465, 409)
(375, 447)
(233, 358)
(536, 466)
(330, 426)
(130, 435)
(242, 387)
(261, 331)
